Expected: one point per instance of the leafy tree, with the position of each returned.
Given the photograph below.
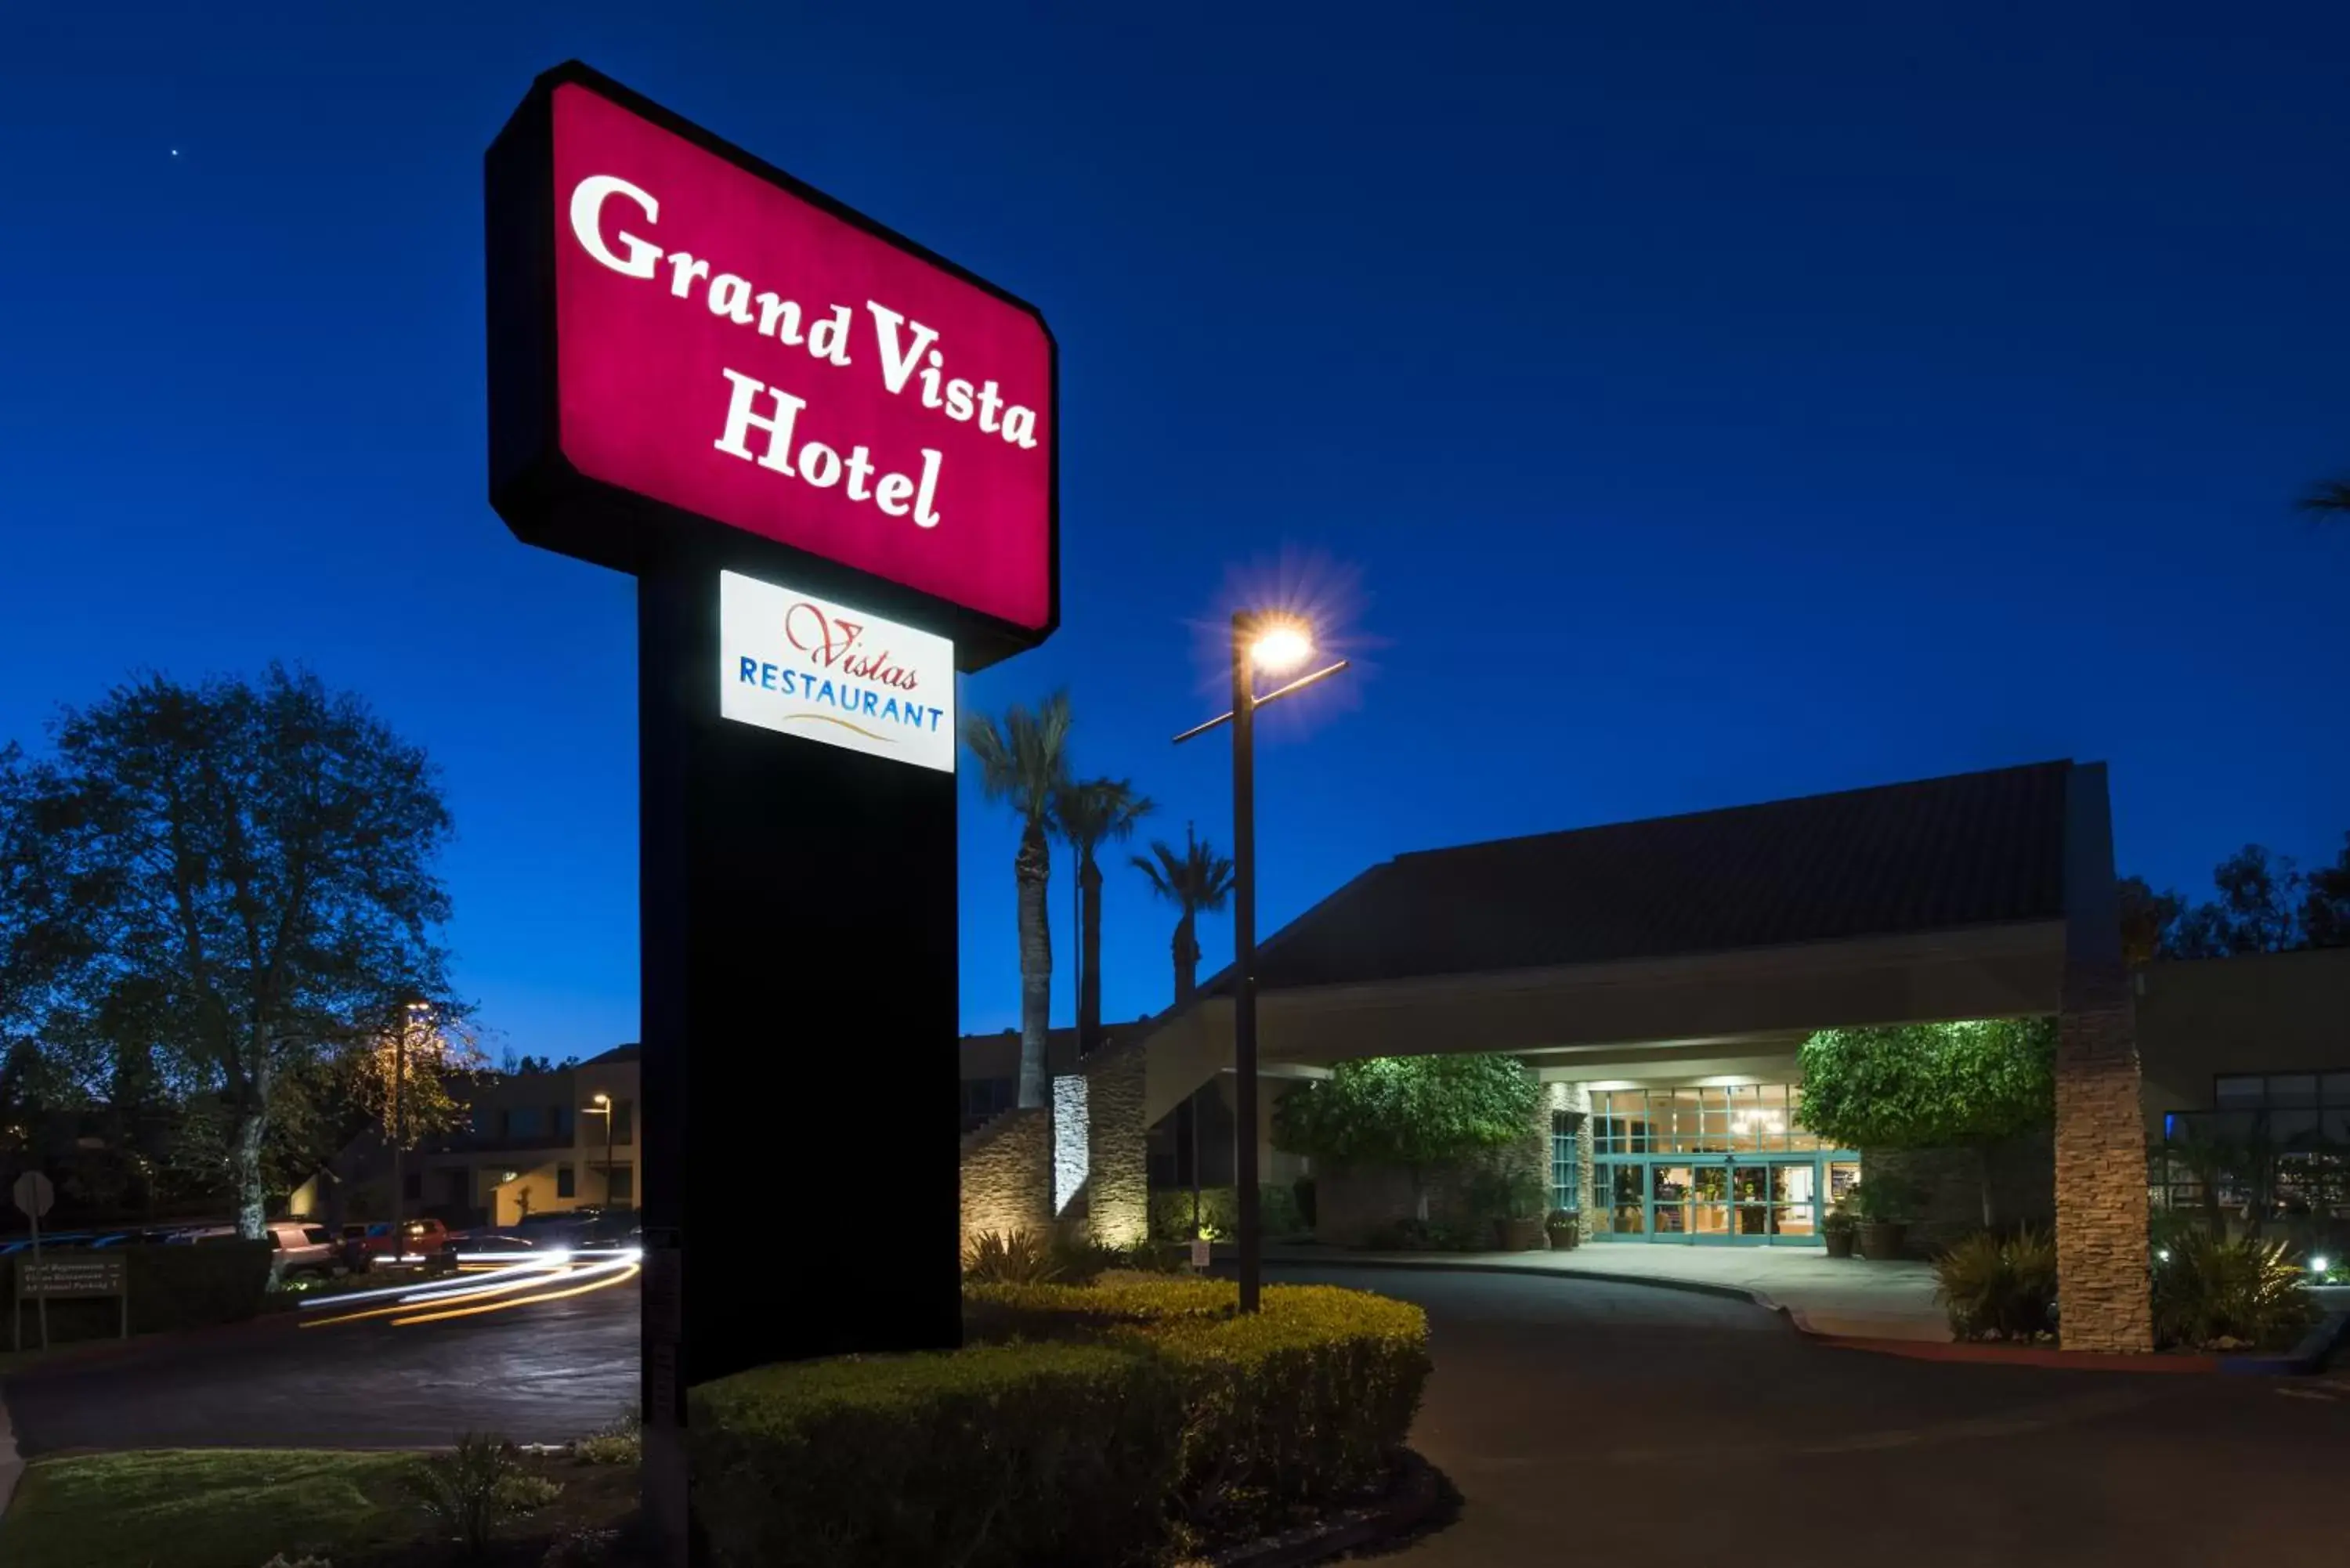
(2325, 904)
(1198, 881)
(2257, 911)
(245, 876)
(1091, 814)
(2148, 921)
(1415, 1112)
(1931, 1085)
(1023, 759)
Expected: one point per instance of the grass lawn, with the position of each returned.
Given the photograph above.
(203, 1508)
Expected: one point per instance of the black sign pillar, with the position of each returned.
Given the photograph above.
(798, 918)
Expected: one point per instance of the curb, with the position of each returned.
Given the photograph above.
(2303, 1360)
(11, 1463)
(1413, 1498)
(1440, 1265)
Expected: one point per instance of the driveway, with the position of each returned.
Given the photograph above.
(1590, 1421)
(543, 1373)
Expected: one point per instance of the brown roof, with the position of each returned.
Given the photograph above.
(1971, 849)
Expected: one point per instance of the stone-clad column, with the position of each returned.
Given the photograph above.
(2101, 1199)
(1576, 1099)
(2104, 1300)
(1118, 1190)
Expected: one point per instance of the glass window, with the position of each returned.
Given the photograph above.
(2293, 1090)
(526, 1121)
(624, 1121)
(2240, 1092)
(623, 1185)
(1564, 1190)
(566, 1184)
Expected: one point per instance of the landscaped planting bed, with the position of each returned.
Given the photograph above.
(1128, 1421)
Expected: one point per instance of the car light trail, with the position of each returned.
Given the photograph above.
(597, 1277)
(482, 1292)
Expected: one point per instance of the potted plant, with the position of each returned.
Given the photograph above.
(1883, 1207)
(1514, 1200)
(1565, 1234)
(1837, 1229)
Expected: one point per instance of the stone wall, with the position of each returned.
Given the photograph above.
(2023, 1187)
(1007, 1174)
(1117, 1191)
(2100, 1170)
(1353, 1204)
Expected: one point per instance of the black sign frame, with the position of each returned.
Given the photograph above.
(547, 501)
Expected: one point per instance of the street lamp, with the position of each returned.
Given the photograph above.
(603, 1107)
(1274, 642)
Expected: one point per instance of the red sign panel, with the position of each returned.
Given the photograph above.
(728, 343)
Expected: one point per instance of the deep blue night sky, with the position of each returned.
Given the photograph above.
(1711, 402)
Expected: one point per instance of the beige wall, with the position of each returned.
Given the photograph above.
(2260, 1013)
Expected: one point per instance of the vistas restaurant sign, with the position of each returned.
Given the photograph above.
(795, 663)
(684, 338)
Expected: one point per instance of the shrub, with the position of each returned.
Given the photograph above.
(1507, 1193)
(2227, 1295)
(620, 1443)
(1884, 1200)
(1411, 1234)
(171, 1288)
(1302, 1404)
(1996, 1287)
(992, 1457)
(475, 1485)
(1021, 1257)
(1277, 1211)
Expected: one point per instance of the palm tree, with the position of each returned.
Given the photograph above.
(2329, 500)
(1023, 758)
(1197, 881)
(1091, 814)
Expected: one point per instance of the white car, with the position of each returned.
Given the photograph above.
(299, 1248)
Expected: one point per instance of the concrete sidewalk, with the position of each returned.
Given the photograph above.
(1839, 1296)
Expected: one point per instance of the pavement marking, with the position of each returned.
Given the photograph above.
(2030, 1418)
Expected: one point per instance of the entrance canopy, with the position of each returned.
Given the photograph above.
(1684, 946)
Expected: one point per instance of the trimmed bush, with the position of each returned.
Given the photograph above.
(1277, 1207)
(993, 1457)
(171, 1288)
(2230, 1295)
(1302, 1405)
(1995, 1287)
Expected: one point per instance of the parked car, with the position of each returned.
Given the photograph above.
(365, 1245)
(300, 1248)
(578, 1227)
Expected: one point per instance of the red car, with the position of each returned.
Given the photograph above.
(366, 1245)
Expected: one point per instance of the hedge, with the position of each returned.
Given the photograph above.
(1277, 1209)
(1036, 1454)
(1301, 1404)
(171, 1288)
(1085, 1423)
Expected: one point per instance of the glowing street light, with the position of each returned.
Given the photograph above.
(1274, 642)
(602, 1106)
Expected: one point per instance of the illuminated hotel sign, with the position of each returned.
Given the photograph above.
(675, 323)
(794, 663)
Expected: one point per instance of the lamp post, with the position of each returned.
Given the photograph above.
(1276, 642)
(603, 1107)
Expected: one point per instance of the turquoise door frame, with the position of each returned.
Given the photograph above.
(1716, 1207)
